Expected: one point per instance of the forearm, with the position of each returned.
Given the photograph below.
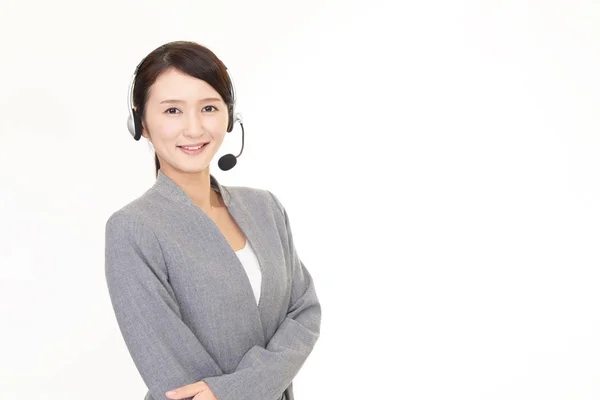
(264, 373)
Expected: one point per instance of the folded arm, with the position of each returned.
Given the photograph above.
(265, 373)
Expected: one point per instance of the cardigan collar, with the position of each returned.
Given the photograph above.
(171, 190)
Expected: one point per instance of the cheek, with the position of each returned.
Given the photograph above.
(217, 126)
(165, 130)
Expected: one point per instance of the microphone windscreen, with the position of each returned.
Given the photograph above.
(227, 162)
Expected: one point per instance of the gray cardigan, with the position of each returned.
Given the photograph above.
(185, 306)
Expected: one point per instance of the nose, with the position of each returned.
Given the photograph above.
(195, 124)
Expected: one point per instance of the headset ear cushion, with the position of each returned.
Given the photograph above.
(137, 121)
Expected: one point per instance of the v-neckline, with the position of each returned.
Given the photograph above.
(244, 228)
(243, 248)
(240, 214)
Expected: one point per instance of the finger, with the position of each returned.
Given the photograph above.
(205, 395)
(185, 391)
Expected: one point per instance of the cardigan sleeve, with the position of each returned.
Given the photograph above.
(265, 373)
(165, 351)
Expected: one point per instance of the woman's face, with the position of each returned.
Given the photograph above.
(182, 114)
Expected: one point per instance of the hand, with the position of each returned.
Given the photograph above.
(198, 391)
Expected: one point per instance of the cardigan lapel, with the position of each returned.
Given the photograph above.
(251, 227)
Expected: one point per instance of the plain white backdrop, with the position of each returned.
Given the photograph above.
(440, 162)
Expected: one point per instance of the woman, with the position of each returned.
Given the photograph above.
(209, 293)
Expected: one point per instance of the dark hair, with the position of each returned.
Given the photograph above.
(190, 58)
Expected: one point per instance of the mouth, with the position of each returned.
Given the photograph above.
(193, 149)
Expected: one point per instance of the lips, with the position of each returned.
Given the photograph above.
(193, 146)
(193, 149)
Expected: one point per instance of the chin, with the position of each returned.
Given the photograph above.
(191, 170)
(190, 165)
(188, 169)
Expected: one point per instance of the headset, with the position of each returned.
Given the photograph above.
(134, 122)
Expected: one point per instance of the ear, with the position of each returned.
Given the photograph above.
(230, 118)
(145, 132)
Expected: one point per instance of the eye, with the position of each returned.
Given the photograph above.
(172, 110)
(210, 107)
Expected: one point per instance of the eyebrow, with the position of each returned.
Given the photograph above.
(175, 101)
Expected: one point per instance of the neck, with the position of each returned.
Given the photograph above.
(196, 186)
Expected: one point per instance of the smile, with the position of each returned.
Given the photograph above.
(193, 149)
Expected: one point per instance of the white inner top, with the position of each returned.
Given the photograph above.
(252, 267)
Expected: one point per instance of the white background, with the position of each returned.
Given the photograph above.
(440, 162)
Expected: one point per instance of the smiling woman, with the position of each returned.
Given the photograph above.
(180, 88)
(209, 293)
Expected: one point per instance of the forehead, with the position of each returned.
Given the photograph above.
(174, 84)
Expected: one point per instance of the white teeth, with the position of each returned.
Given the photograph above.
(192, 148)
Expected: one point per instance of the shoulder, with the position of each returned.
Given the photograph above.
(132, 219)
(131, 241)
(254, 197)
